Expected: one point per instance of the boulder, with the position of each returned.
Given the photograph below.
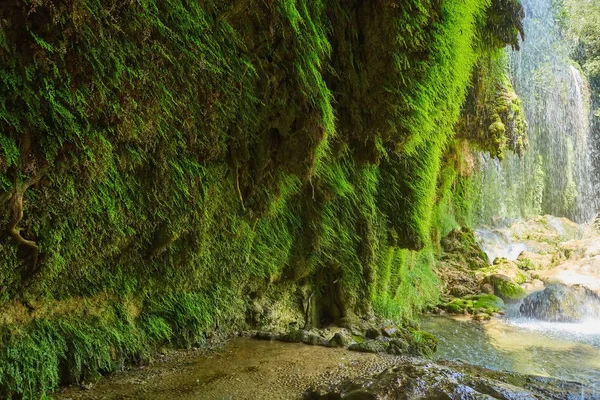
(562, 303)
(505, 288)
(369, 346)
(398, 347)
(341, 339)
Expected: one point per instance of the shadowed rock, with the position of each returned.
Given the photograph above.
(417, 379)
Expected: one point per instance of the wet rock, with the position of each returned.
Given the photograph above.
(369, 346)
(306, 337)
(341, 339)
(419, 379)
(482, 317)
(561, 303)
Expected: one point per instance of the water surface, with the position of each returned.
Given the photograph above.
(559, 350)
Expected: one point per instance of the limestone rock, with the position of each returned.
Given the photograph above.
(561, 303)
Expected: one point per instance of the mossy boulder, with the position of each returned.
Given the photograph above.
(473, 304)
(369, 346)
(341, 339)
(398, 347)
(505, 288)
(312, 337)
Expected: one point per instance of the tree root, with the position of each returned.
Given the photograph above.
(237, 187)
(14, 198)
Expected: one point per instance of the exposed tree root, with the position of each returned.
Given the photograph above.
(14, 198)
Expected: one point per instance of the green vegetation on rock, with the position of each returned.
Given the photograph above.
(475, 304)
(505, 288)
(191, 168)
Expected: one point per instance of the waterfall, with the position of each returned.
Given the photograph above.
(556, 174)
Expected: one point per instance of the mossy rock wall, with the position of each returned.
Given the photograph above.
(174, 166)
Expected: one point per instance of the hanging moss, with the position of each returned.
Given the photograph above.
(205, 160)
(494, 119)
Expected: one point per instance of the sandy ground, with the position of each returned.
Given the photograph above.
(242, 369)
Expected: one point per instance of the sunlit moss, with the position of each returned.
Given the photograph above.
(198, 156)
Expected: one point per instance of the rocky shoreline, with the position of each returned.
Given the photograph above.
(421, 379)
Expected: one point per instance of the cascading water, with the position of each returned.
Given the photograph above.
(555, 175)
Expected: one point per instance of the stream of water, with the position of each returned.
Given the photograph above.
(514, 343)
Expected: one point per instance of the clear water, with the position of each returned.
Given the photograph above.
(495, 244)
(512, 343)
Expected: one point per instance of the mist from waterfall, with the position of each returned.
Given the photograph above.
(556, 174)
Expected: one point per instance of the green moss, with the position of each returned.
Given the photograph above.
(526, 265)
(423, 343)
(508, 290)
(487, 303)
(494, 120)
(200, 155)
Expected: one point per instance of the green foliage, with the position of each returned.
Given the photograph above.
(34, 358)
(199, 154)
(405, 283)
(582, 24)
